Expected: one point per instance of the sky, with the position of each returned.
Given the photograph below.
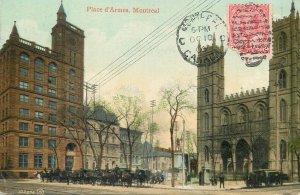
(108, 35)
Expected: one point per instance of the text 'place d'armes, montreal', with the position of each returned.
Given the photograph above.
(137, 10)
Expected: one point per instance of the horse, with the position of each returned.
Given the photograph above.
(126, 177)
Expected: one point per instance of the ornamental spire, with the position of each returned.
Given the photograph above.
(14, 32)
(61, 14)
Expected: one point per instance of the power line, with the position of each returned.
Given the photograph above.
(149, 35)
(153, 46)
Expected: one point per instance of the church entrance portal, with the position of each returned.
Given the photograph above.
(226, 154)
(242, 156)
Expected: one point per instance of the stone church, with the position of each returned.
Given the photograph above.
(251, 130)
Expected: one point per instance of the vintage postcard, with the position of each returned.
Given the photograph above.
(149, 97)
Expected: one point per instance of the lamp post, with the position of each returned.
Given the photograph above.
(183, 142)
(152, 104)
(183, 159)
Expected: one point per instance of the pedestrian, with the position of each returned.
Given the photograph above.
(189, 178)
(200, 178)
(221, 178)
(68, 177)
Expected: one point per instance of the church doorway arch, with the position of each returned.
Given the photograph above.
(70, 153)
(242, 156)
(260, 154)
(226, 155)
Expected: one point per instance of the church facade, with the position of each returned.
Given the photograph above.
(251, 130)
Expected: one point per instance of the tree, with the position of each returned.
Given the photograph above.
(130, 111)
(295, 148)
(53, 146)
(175, 100)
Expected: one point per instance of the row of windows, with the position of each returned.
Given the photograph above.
(38, 115)
(37, 128)
(242, 115)
(40, 77)
(38, 143)
(38, 160)
(135, 159)
(39, 88)
(40, 102)
(51, 92)
(39, 63)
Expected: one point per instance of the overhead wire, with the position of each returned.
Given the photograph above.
(153, 46)
(133, 48)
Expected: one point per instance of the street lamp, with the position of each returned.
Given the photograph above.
(183, 142)
(152, 104)
(183, 160)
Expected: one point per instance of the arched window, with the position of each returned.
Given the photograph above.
(282, 79)
(52, 67)
(242, 115)
(225, 118)
(206, 122)
(24, 58)
(282, 149)
(283, 111)
(72, 73)
(282, 41)
(39, 63)
(206, 154)
(205, 68)
(260, 113)
(206, 96)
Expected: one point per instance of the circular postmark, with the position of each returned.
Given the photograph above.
(202, 38)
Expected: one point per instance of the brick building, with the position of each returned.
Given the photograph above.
(252, 130)
(40, 89)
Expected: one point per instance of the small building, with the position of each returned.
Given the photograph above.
(137, 148)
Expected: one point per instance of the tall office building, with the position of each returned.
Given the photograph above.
(41, 92)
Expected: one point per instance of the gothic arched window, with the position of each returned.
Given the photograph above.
(206, 95)
(260, 113)
(206, 154)
(283, 111)
(282, 149)
(206, 122)
(242, 116)
(225, 118)
(282, 79)
(282, 41)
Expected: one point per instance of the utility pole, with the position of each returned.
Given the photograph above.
(89, 88)
(152, 105)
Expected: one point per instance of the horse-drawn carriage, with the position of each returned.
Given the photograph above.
(265, 177)
(103, 177)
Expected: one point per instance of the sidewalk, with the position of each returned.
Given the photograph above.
(229, 185)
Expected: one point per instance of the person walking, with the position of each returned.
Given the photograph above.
(221, 178)
(200, 177)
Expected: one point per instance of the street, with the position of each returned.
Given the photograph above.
(37, 187)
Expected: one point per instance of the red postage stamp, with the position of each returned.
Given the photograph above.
(250, 32)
